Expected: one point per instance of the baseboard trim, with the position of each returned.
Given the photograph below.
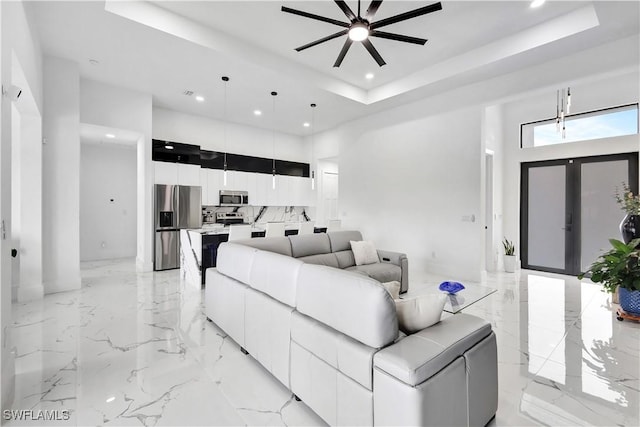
(62, 285)
(143, 266)
(30, 292)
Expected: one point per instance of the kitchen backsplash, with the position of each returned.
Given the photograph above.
(264, 214)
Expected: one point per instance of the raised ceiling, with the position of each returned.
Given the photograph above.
(165, 48)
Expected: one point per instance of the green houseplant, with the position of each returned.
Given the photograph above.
(619, 268)
(509, 256)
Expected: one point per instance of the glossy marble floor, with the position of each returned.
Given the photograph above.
(135, 349)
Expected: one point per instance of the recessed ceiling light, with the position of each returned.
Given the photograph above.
(199, 98)
(306, 124)
(257, 112)
(110, 135)
(368, 76)
(111, 399)
(537, 3)
(168, 147)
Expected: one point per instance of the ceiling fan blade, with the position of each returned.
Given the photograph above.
(316, 17)
(373, 8)
(346, 9)
(322, 40)
(397, 37)
(347, 44)
(372, 50)
(407, 15)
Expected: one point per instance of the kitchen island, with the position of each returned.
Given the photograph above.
(199, 248)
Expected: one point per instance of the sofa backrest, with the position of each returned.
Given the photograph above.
(268, 272)
(303, 245)
(341, 240)
(279, 245)
(351, 303)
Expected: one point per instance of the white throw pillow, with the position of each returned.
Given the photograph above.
(364, 252)
(417, 313)
(393, 288)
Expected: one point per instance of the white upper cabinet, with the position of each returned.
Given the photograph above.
(165, 173)
(188, 174)
(216, 183)
(204, 183)
(241, 181)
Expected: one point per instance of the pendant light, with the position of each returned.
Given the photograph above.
(313, 173)
(225, 79)
(273, 141)
(563, 109)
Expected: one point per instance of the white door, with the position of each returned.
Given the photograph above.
(330, 196)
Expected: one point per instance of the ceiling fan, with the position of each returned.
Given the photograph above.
(360, 28)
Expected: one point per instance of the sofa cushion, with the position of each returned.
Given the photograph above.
(393, 288)
(419, 312)
(340, 240)
(364, 252)
(309, 244)
(275, 275)
(382, 271)
(345, 258)
(279, 245)
(352, 304)
(329, 260)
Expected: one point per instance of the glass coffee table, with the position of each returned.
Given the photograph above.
(471, 294)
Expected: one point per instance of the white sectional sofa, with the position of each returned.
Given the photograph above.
(331, 336)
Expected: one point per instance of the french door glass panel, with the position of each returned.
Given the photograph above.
(600, 214)
(547, 195)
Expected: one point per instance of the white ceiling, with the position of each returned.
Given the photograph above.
(165, 48)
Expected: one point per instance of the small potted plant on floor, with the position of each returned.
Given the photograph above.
(619, 269)
(509, 256)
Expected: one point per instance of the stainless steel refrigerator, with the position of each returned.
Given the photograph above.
(177, 207)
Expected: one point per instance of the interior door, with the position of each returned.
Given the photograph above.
(569, 212)
(547, 220)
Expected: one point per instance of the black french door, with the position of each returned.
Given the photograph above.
(568, 210)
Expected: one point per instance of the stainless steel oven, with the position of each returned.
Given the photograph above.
(233, 198)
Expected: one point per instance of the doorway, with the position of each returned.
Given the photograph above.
(568, 211)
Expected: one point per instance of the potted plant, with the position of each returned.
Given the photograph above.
(509, 256)
(630, 203)
(619, 268)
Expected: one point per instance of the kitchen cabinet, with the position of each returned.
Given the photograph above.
(215, 184)
(188, 174)
(165, 173)
(204, 183)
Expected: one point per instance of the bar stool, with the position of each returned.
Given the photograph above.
(334, 225)
(306, 227)
(275, 229)
(238, 232)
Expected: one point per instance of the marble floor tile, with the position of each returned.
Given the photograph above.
(136, 349)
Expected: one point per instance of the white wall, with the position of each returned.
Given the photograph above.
(61, 173)
(16, 39)
(120, 108)
(209, 135)
(107, 228)
(618, 89)
(411, 195)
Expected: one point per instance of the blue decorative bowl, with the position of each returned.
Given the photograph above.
(451, 287)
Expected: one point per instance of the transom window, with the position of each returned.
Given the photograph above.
(607, 123)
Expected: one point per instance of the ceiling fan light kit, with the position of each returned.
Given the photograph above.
(361, 28)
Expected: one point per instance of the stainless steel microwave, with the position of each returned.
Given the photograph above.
(233, 198)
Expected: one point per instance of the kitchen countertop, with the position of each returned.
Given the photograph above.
(225, 230)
